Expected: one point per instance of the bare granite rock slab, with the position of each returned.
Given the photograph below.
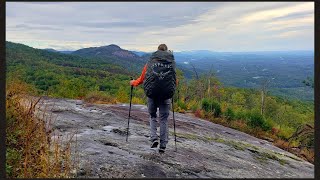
(204, 149)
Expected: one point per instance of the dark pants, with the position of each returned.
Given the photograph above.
(164, 107)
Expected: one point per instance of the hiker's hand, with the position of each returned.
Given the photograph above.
(131, 82)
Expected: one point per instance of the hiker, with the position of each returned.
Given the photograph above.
(159, 79)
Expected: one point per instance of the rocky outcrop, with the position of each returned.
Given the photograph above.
(204, 149)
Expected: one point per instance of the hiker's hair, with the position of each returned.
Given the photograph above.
(162, 47)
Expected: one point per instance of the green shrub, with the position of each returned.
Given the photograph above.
(285, 132)
(229, 114)
(193, 105)
(269, 124)
(241, 115)
(182, 105)
(211, 106)
(255, 119)
(216, 108)
(205, 105)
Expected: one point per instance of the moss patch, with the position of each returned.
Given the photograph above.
(265, 156)
(262, 156)
(289, 156)
(235, 144)
(186, 136)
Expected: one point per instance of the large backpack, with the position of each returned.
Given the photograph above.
(160, 79)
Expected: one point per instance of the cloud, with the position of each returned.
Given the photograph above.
(218, 26)
(277, 12)
(21, 27)
(295, 15)
(297, 22)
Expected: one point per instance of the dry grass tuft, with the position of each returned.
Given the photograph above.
(304, 153)
(100, 98)
(30, 151)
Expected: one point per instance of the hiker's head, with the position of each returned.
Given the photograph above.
(162, 47)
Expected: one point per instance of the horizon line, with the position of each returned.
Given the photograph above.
(247, 51)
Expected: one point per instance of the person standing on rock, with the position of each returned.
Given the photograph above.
(159, 79)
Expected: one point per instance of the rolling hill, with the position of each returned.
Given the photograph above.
(62, 74)
(113, 54)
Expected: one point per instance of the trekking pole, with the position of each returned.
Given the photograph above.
(174, 127)
(129, 110)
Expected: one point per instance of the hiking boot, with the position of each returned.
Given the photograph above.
(162, 149)
(154, 144)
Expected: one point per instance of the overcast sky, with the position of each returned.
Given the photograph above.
(216, 26)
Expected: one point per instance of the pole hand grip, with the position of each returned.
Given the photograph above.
(131, 78)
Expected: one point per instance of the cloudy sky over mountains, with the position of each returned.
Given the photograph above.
(217, 26)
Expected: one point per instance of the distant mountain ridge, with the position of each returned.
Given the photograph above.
(140, 53)
(53, 58)
(111, 50)
(53, 50)
(115, 55)
(50, 50)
